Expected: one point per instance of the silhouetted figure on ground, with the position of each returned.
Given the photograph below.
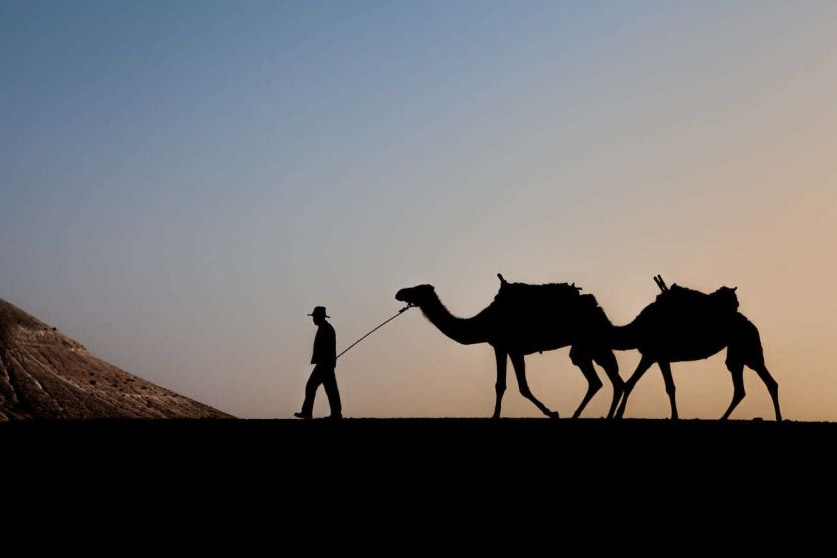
(324, 359)
(525, 319)
(686, 325)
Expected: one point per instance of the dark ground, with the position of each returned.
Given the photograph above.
(753, 480)
(543, 448)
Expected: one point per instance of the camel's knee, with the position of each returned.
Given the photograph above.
(772, 385)
(615, 379)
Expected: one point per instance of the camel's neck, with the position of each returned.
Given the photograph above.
(462, 330)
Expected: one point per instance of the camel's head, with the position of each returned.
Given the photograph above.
(416, 296)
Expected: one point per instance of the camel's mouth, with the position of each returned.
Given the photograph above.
(408, 295)
(415, 296)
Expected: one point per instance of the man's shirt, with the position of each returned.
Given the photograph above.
(325, 346)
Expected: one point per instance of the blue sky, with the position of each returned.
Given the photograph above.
(183, 181)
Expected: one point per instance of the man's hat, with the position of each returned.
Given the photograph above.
(319, 311)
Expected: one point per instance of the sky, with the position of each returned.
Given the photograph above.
(181, 182)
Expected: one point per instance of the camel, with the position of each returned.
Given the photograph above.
(688, 325)
(524, 319)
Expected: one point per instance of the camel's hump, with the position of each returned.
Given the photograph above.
(544, 294)
(678, 298)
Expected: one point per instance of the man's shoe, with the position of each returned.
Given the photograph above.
(302, 415)
(335, 417)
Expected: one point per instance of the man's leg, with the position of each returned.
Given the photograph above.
(333, 394)
(314, 381)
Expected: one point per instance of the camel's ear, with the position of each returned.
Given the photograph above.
(735, 288)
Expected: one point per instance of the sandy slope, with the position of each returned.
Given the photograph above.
(47, 375)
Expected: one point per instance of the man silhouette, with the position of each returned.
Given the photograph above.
(324, 360)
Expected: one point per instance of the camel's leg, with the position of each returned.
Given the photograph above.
(643, 366)
(753, 357)
(607, 360)
(747, 350)
(665, 368)
(772, 386)
(584, 361)
(500, 385)
(736, 369)
(519, 364)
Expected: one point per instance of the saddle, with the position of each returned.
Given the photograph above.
(677, 300)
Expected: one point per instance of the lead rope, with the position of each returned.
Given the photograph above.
(371, 332)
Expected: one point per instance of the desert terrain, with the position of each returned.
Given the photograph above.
(75, 427)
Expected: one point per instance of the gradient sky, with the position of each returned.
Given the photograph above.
(181, 182)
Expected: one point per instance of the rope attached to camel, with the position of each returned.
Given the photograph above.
(374, 329)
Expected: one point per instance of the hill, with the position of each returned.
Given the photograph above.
(46, 375)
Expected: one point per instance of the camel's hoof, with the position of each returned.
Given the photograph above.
(553, 414)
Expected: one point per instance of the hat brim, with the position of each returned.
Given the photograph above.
(324, 315)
